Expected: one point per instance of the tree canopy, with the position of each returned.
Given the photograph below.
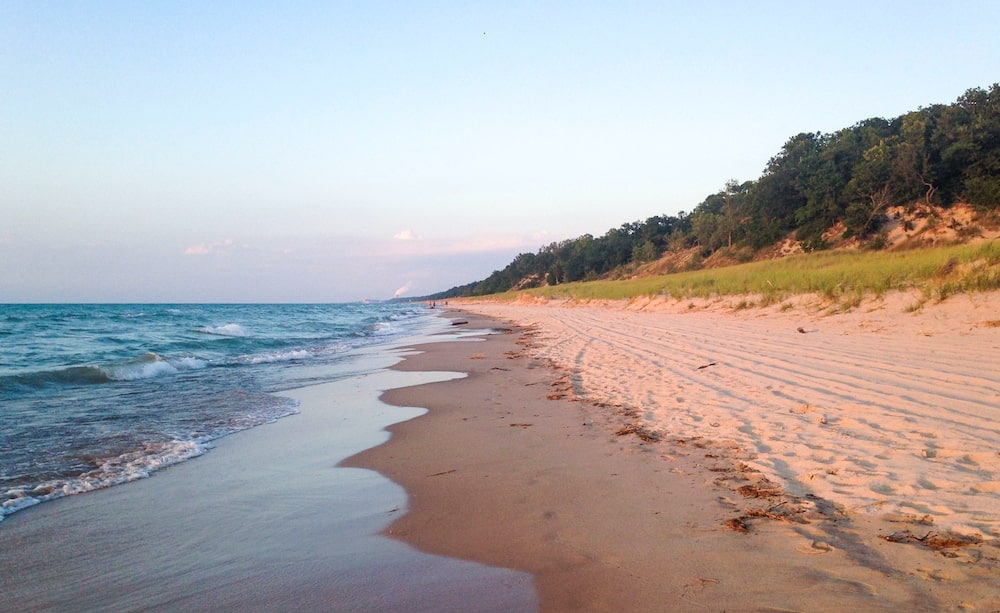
(940, 155)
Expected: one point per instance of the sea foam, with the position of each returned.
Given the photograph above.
(278, 356)
(148, 366)
(112, 471)
(225, 330)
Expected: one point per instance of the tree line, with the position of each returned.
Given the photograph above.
(939, 155)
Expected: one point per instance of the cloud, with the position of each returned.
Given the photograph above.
(418, 246)
(406, 235)
(200, 249)
(210, 248)
(485, 245)
(403, 290)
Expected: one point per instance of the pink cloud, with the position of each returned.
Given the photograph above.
(406, 235)
(209, 248)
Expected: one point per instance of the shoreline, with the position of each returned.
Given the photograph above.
(267, 520)
(511, 467)
(561, 500)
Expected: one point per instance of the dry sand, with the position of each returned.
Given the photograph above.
(879, 411)
(666, 456)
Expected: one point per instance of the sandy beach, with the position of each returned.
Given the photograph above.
(644, 456)
(680, 456)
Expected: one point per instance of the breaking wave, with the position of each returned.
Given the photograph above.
(111, 471)
(147, 366)
(235, 330)
(276, 356)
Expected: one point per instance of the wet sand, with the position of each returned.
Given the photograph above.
(266, 521)
(532, 463)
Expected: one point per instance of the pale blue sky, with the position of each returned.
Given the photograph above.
(329, 151)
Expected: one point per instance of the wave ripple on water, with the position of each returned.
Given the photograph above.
(97, 395)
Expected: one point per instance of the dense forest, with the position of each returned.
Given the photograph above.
(939, 155)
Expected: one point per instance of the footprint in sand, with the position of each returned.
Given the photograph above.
(727, 501)
(815, 548)
(934, 574)
(986, 487)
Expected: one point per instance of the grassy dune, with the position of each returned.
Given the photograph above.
(845, 277)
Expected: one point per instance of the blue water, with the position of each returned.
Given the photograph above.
(96, 395)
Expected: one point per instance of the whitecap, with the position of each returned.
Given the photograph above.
(383, 328)
(189, 364)
(276, 356)
(148, 366)
(225, 330)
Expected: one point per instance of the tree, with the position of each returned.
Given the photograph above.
(733, 199)
(981, 179)
(645, 252)
(914, 158)
(705, 226)
(870, 190)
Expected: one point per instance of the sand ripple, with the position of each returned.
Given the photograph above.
(878, 411)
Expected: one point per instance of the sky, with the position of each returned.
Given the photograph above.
(199, 151)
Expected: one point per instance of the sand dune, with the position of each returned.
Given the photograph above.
(879, 412)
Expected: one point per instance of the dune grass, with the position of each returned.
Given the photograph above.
(845, 277)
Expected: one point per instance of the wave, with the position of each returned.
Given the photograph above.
(112, 471)
(384, 328)
(74, 375)
(141, 462)
(225, 330)
(147, 366)
(150, 365)
(275, 356)
(330, 348)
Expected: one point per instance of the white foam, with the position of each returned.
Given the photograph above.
(225, 330)
(17, 500)
(278, 356)
(148, 366)
(189, 364)
(384, 328)
(113, 471)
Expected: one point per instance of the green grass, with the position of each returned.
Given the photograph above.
(845, 277)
